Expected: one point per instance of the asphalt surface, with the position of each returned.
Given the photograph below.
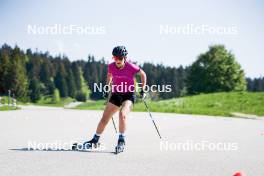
(35, 141)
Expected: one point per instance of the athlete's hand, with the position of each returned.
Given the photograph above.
(105, 94)
(142, 94)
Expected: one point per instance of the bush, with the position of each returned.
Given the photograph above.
(56, 96)
(80, 96)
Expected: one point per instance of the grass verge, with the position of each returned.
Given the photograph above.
(217, 104)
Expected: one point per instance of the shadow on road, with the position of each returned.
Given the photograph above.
(61, 150)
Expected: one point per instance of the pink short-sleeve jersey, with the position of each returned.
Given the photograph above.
(123, 79)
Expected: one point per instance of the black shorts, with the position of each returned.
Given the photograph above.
(118, 98)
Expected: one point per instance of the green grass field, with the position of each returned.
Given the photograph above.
(6, 108)
(44, 101)
(218, 104)
(47, 101)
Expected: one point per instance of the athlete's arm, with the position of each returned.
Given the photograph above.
(108, 83)
(109, 79)
(143, 78)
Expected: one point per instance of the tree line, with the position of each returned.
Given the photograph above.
(32, 75)
(255, 84)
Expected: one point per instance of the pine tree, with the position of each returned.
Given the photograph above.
(34, 90)
(46, 77)
(60, 81)
(17, 75)
(5, 68)
(77, 75)
(71, 84)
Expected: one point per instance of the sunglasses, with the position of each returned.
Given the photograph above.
(116, 58)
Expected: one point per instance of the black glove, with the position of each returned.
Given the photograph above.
(142, 94)
(105, 94)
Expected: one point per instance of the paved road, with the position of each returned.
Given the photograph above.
(192, 145)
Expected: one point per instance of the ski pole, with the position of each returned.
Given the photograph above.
(114, 124)
(151, 117)
(109, 95)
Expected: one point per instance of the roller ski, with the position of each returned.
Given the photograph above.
(120, 145)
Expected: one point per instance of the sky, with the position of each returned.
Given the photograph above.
(152, 31)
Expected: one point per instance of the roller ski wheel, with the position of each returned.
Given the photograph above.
(120, 147)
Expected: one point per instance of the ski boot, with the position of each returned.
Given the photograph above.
(88, 145)
(120, 146)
